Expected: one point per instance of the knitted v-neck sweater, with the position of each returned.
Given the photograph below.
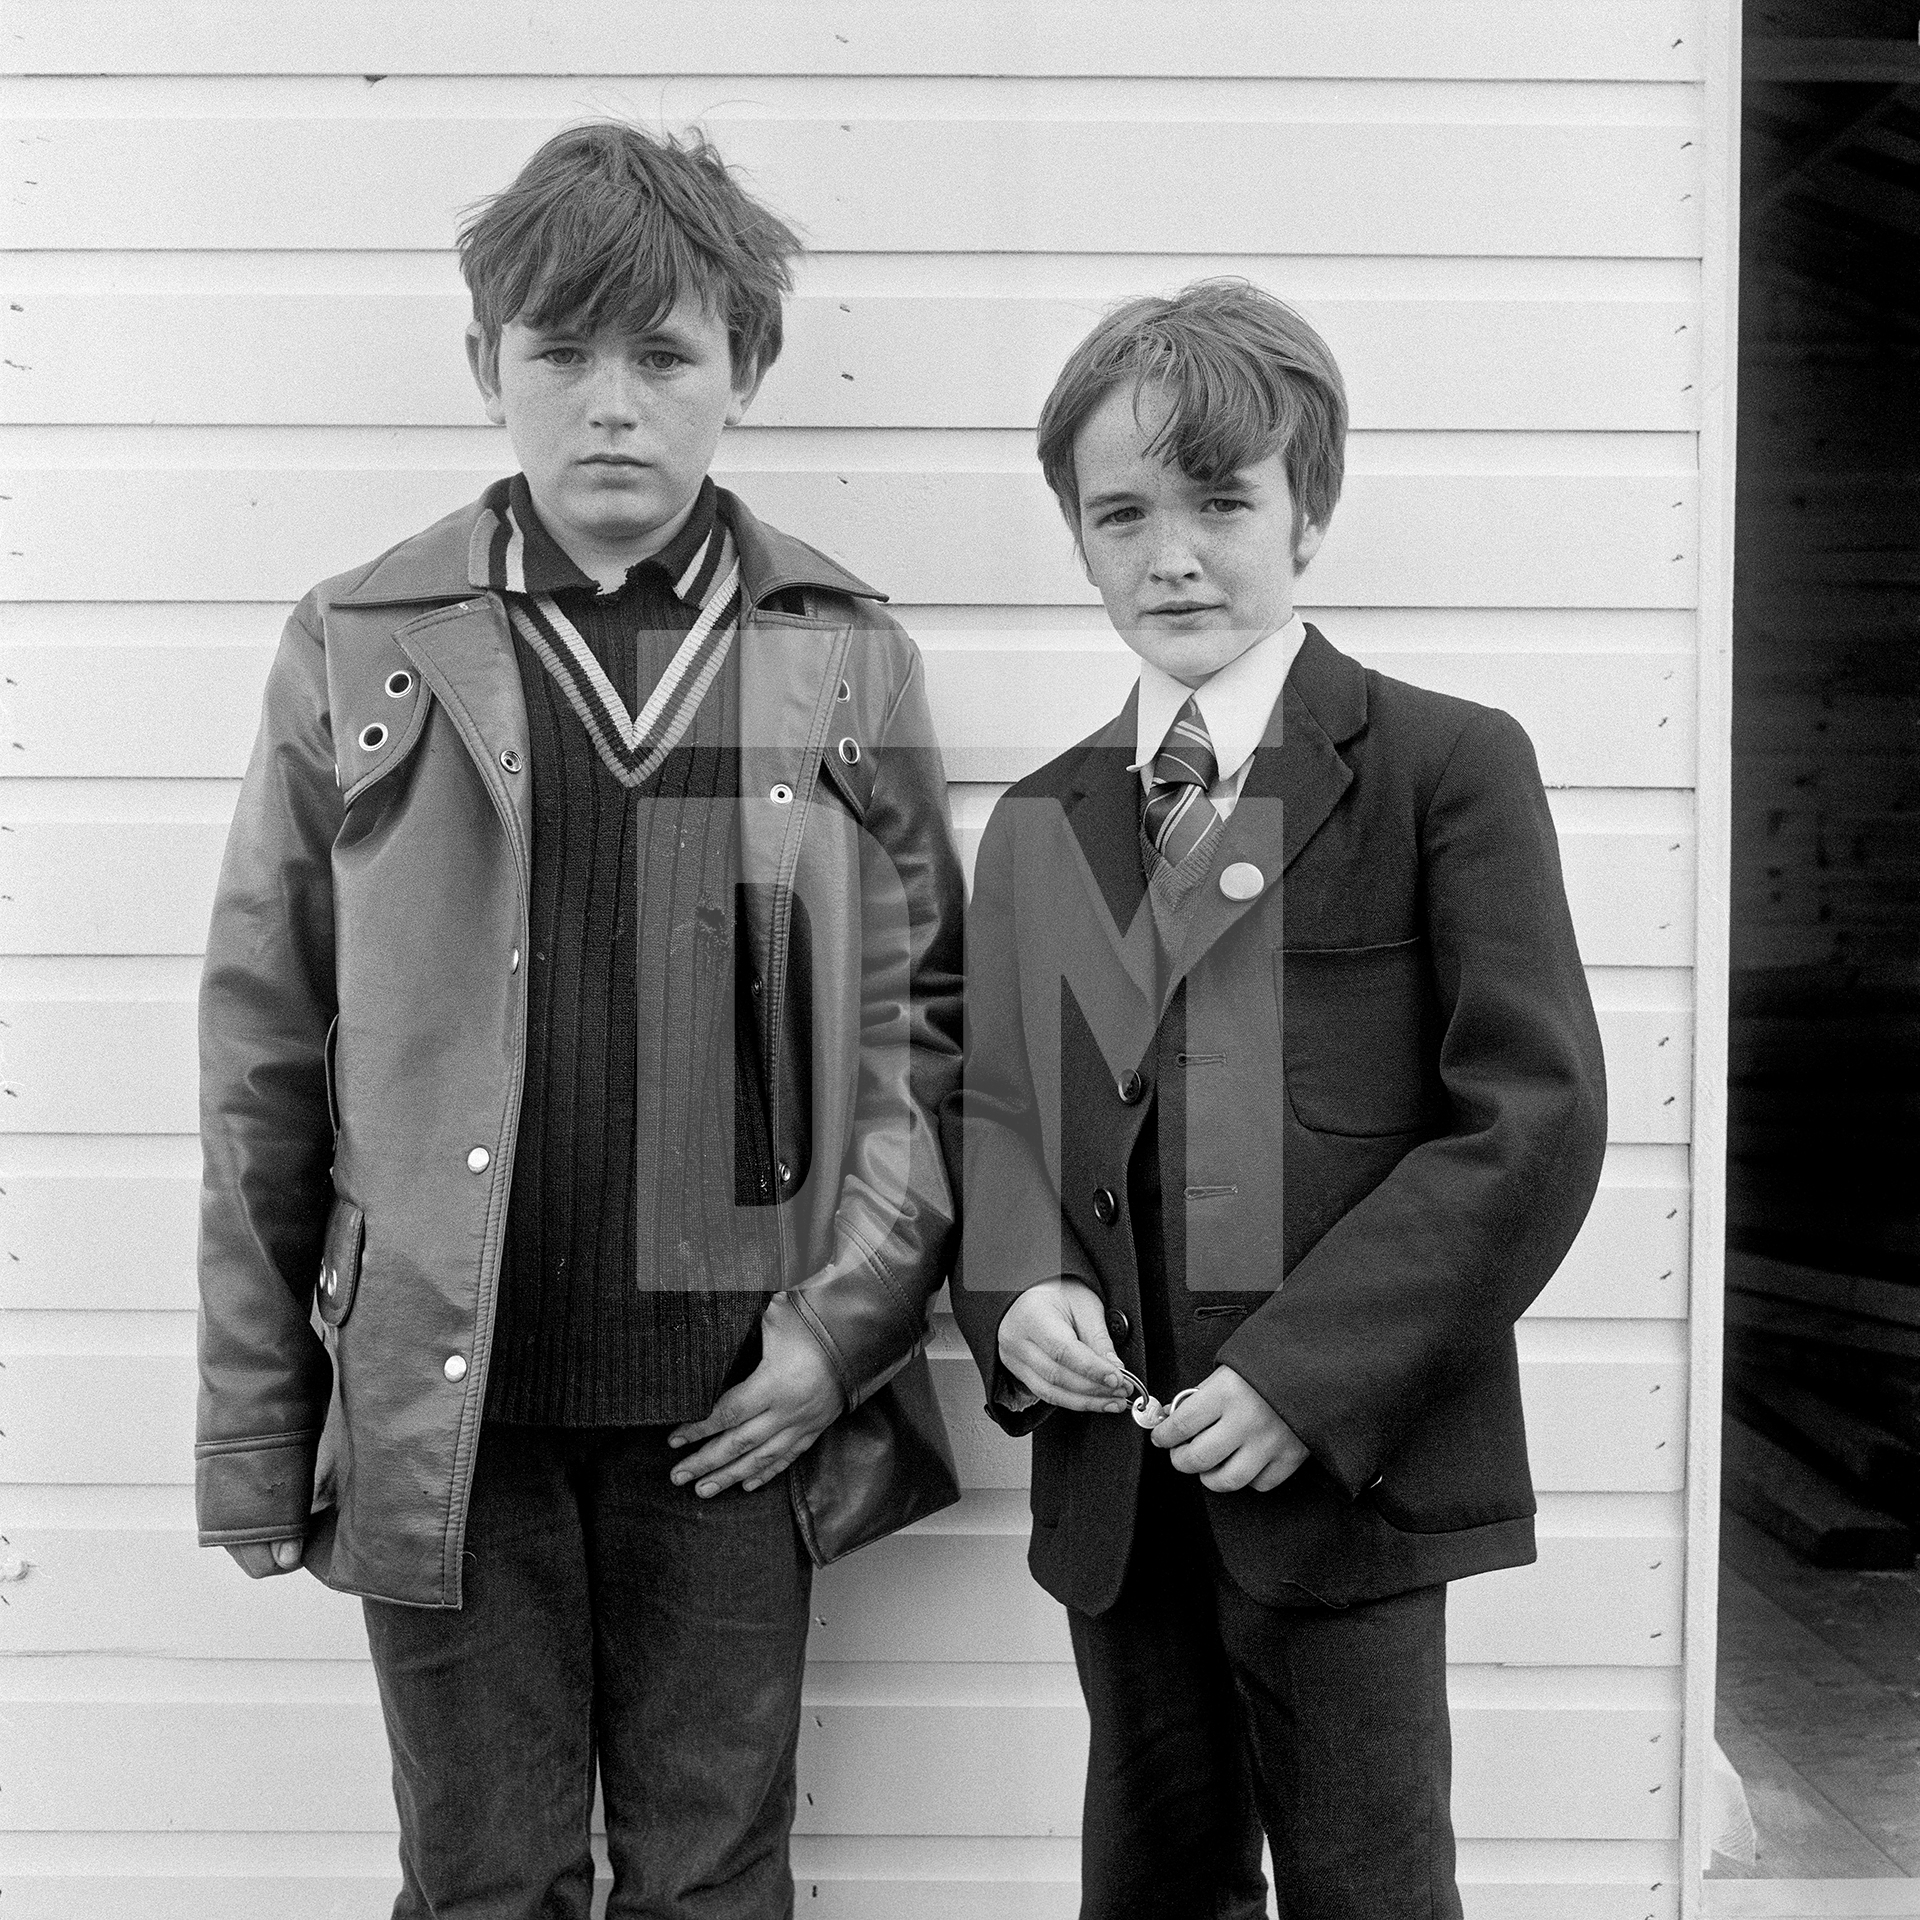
(634, 1270)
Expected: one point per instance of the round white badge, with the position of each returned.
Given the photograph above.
(1242, 880)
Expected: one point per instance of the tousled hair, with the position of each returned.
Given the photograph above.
(1244, 377)
(607, 225)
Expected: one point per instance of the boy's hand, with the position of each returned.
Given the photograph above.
(1053, 1340)
(762, 1426)
(1230, 1437)
(262, 1559)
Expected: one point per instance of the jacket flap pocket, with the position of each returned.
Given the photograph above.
(340, 1265)
(1360, 1031)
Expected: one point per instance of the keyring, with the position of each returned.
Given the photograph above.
(1147, 1412)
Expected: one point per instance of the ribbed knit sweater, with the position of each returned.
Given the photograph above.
(635, 1268)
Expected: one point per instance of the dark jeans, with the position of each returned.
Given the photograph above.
(1215, 1716)
(609, 1616)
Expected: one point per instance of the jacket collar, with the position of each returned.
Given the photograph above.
(436, 565)
(1322, 706)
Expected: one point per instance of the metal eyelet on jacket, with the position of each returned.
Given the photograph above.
(509, 760)
(845, 693)
(372, 737)
(780, 794)
(850, 751)
(399, 684)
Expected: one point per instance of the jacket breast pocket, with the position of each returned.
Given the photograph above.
(1360, 1032)
(339, 1277)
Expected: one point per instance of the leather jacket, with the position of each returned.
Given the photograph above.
(362, 1036)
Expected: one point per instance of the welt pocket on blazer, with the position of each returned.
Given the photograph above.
(1360, 1036)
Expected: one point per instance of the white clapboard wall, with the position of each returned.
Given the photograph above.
(230, 364)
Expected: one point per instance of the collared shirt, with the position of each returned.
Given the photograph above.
(1236, 703)
(512, 551)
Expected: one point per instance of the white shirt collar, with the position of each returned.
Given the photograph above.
(1236, 703)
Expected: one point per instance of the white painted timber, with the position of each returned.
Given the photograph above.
(1590, 1600)
(1597, 1425)
(114, 1065)
(1537, 1770)
(1466, 39)
(1002, 707)
(1338, 185)
(363, 359)
(138, 885)
(1400, 539)
(91, 1236)
(231, 340)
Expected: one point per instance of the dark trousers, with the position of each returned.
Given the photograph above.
(612, 1617)
(1215, 1717)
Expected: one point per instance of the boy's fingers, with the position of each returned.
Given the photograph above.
(1203, 1453)
(1195, 1415)
(1074, 1359)
(1276, 1473)
(286, 1554)
(723, 1449)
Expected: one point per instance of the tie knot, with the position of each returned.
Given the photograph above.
(1186, 757)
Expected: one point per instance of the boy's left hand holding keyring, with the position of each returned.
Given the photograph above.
(1223, 1431)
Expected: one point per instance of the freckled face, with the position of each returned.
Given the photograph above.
(614, 430)
(1193, 572)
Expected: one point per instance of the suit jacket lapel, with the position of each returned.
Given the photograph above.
(1296, 780)
(1103, 812)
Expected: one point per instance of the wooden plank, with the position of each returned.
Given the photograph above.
(1629, 1261)
(190, 712)
(1805, 1509)
(134, 885)
(1590, 1600)
(828, 1896)
(1457, 39)
(1335, 186)
(1813, 1899)
(945, 537)
(100, 1065)
(1833, 1292)
(93, 1237)
(382, 359)
(1596, 1425)
(1883, 1470)
(1539, 1772)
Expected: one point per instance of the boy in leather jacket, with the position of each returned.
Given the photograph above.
(582, 984)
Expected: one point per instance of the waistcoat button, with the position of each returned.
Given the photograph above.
(1118, 1327)
(1106, 1208)
(1131, 1087)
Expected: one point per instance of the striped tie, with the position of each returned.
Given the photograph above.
(1179, 817)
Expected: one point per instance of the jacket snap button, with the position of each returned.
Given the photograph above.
(456, 1367)
(780, 794)
(785, 1172)
(479, 1160)
(1130, 1087)
(1118, 1327)
(509, 759)
(513, 961)
(1106, 1208)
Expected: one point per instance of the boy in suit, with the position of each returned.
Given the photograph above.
(1284, 1095)
(581, 994)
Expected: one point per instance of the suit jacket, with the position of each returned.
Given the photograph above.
(1379, 1110)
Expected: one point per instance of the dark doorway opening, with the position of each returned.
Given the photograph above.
(1819, 1674)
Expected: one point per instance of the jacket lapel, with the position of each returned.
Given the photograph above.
(1103, 815)
(465, 655)
(1297, 779)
